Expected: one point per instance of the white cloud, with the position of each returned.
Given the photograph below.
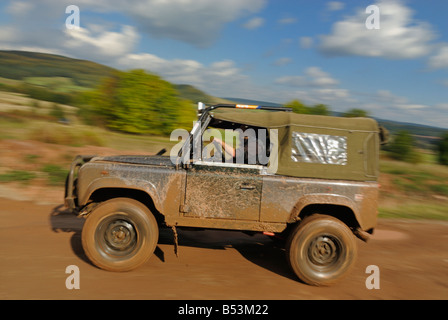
(387, 105)
(335, 6)
(306, 42)
(292, 81)
(282, 62)
(315, 86)
(442, 107)
(197, 22)
(400, 36)
(193, 21)
(254, 23)
(320, 78)
(385, 96)
(19, 8)
(411, 106)
(439, 60)
(8, 34)
(329, 94)
(103, 44)
(314, 77)
(218, 78)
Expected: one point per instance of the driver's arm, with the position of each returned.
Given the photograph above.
(227, 148)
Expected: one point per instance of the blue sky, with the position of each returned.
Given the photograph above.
(277, 50)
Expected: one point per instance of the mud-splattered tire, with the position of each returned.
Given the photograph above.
(120, 235)
(321, 250)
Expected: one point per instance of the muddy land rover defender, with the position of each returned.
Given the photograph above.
(316, 188)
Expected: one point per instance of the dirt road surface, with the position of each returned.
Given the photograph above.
(38, 242)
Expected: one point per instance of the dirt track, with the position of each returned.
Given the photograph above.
(38, 242)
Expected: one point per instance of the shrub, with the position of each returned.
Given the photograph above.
(56, 174)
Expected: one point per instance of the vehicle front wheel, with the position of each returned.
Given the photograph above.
(321, 250)
(120, 235)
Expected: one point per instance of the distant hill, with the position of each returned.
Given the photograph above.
(189, 92)
(62, 74)
(19, 65)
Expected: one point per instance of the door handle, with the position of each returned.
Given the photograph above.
(245, 186)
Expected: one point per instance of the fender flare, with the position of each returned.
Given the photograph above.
(325, 199)
(118, 183)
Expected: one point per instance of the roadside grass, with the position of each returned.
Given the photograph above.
(423, 179)
(75, 136)
(430, 211)
(78, 135)
(420, 191)
(53, 174)
(17, 176)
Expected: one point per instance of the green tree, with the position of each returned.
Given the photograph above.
(320, 109)
(355, 112)
(443, 150)
(298, 107)
(139, 102)
(402, 148)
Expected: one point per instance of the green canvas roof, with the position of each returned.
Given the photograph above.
(312, 146)
(283, 119)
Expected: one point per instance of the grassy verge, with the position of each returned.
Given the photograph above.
(75, 136)
(415, 191)
(431, 211)
(53, 174)
(17, 175)
(423, 179)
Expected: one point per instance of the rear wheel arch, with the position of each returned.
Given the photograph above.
(340, 212)
(338, 206)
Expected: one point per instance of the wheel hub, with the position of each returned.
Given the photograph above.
(323, 251)
(120, 235)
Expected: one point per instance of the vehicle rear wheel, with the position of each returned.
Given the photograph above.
(321, 250)
(120, 235)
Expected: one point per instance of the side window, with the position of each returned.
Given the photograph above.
(319, 148)
(240, 145)
(212, 149)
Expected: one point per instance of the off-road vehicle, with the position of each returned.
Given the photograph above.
(316, 188)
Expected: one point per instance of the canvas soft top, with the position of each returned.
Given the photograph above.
(283, 119)
(312, 146)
